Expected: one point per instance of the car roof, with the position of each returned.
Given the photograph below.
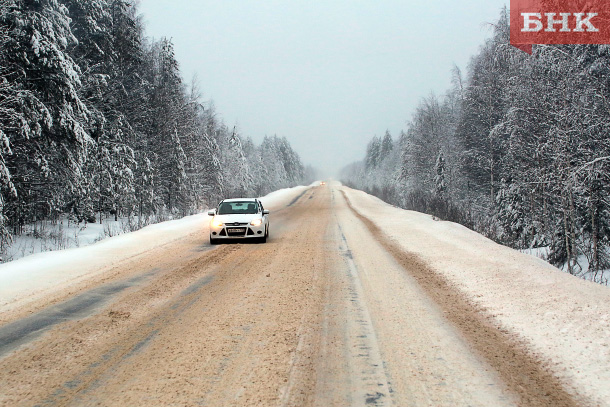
(240, 200)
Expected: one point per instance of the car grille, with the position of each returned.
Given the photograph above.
(236, 231)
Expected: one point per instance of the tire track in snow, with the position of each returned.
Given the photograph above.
(366, 363)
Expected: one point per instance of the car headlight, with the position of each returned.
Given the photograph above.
(216, 223)
(256, 222)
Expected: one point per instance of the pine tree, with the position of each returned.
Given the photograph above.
(164, 118)
(48, 130)
(10, 119)
(387, 145)
(177, 179)
(373, 153)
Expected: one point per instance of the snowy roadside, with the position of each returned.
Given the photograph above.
(563, 319)
(46, 236)
(31, 277)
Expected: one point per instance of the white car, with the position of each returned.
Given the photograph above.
(240, 218)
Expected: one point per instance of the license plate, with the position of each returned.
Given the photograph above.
(236, 230)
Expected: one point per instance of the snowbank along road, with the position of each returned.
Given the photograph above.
(350, 303)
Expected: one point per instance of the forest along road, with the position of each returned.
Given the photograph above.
(325, 313)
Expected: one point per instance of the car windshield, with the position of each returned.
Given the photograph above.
(228, 208)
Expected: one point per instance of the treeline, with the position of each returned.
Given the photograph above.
(518, 150)
(95, 118)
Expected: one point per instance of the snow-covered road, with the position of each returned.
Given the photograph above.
(351, 302)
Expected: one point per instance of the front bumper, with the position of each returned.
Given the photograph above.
(239, 231)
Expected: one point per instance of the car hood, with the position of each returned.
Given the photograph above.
(240, 218)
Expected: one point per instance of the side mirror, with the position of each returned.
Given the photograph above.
(265, 212)
(212, 212)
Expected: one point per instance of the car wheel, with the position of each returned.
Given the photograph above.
(213, 241)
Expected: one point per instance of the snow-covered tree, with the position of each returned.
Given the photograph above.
(373, 153)
(47, 128)
(387, 145)
(440, 182)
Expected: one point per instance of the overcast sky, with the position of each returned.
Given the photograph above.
(328, 75)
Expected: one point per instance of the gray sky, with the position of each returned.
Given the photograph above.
(328, 75)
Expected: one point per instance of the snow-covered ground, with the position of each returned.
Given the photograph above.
(581, 268)
(28, 278)
(45, 236)
(562, 318)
